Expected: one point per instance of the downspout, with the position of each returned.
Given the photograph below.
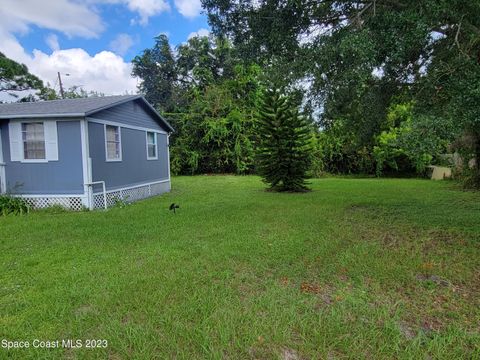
(86, 163)
(3, 177)
(168, 161)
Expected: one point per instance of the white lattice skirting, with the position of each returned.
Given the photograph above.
(130, 194)
(68, 202)
(80, 202)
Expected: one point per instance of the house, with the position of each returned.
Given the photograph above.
(80, 153)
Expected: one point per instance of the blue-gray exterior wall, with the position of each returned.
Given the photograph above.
(134, 169)
(64, 176)
(130, 113)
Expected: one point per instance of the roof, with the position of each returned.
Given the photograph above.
(71, 108)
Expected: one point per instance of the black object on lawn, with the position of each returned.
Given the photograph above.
(173, 207)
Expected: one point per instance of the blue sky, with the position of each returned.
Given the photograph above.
(117, 19)
(93, 40)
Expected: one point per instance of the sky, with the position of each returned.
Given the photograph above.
(93, 41)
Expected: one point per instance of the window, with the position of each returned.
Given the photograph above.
(151, 146)
(113, 143)
(33, 137)
(33, 141)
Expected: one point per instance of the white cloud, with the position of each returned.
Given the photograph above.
(144, 8)
(71, 18)
(200, 33)
(11, 47)
(147, 8)
(121, 44)
(52, 42)
(105, 72)
(188, 8)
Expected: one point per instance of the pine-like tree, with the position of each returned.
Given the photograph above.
(283, 154)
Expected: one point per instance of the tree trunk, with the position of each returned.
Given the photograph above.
(476, 167)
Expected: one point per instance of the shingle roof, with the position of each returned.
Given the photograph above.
(69, 107)
(61, 107)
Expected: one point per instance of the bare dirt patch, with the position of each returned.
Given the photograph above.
(289, 354)
(84, 310)
(434, 279)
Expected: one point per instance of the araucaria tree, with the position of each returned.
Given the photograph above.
(283, 153)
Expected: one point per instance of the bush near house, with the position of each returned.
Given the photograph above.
(13, 205)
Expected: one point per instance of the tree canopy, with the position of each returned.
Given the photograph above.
(361, 58)
(15, 77)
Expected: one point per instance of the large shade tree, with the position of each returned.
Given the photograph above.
(362, 57)
(156, 68)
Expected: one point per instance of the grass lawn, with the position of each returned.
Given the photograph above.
(357, 268)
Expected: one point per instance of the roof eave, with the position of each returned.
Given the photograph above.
(93, 111)
(36, 116)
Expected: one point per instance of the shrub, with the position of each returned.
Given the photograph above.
(13, 205)
(412, 142)
(120, 203)
(342, 153)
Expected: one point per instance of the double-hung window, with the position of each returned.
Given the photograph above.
(33, 141)
(152, 146)
(33, 137)
(113, 143)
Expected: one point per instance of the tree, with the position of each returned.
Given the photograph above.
(77, 92)
(283, 154)
(203, 61)
(156, 68)
(214, 134)
(209, 101)
(15, 77)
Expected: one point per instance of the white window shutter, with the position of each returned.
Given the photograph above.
(51, 140)
(16, 146)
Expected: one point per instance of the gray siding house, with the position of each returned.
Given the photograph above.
(83, 152)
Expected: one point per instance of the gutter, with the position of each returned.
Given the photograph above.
(36, 116)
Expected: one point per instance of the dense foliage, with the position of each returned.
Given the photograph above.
(209, 98)
(283, 153)
(361, 59)
(410, 145)
(13, 205)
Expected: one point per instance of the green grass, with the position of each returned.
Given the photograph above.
(357, 268)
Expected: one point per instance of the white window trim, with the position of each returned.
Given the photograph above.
(34, 161)
(120, 143)
(44, 142)
(50, 139)
(156, 145)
